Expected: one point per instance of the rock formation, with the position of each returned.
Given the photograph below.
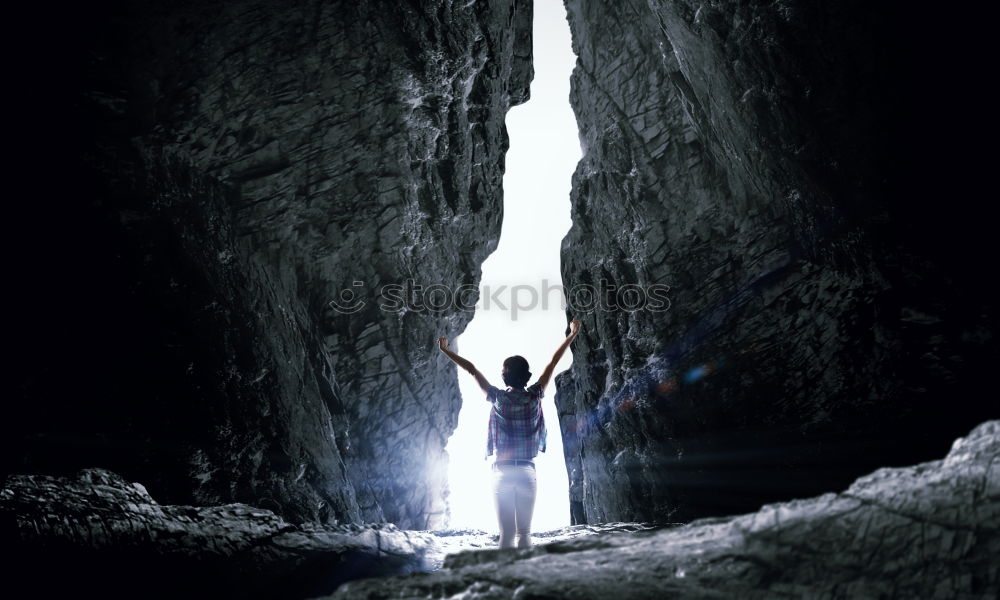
(97, 528)
(759, 160)
(229, 170)
(931, 530)
(109, 538)
(214, 193)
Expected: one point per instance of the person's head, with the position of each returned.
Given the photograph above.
(515, 372)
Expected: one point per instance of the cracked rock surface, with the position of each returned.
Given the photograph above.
(927, 531)
(765, 161)
(96, 526)
(220, 173)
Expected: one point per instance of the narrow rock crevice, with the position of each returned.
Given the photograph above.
(216, 195)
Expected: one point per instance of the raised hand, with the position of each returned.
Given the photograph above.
(464, 364)
(574, 328)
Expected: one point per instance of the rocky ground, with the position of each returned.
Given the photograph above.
(931, 531)
(452, 542)
(109, 537)
(926, 531)
(97, 525)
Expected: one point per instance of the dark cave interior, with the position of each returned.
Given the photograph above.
(204, 177)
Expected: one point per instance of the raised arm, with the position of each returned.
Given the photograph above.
(464, 364)
(543, 379)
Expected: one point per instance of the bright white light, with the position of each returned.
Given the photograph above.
(544, 150)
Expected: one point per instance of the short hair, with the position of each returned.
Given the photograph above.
(515, 371)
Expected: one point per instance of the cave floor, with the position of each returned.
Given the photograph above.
(930, 530)
(451, 542)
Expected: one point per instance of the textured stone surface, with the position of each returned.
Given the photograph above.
(928, 531)
(96, 528)
(226, 170)
(452, 544)
(196, 180)
(760, 159)
(98, 525)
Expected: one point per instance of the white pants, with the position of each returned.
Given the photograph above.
(514, 489)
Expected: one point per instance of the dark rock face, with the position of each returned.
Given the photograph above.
(759, 159)
(96, 528)
(226, 170)
(206, 177)
(931, 530)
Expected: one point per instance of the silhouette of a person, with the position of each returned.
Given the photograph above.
(516, 435)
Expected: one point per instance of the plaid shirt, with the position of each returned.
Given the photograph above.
(517, 429)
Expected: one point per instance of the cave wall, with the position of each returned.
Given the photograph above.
(767, 162)
(216, 173)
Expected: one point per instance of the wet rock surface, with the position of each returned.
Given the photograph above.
(222, 172)
(930, 531)
(761, 161)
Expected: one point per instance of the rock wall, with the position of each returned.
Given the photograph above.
(225, 171)
(823, 319)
